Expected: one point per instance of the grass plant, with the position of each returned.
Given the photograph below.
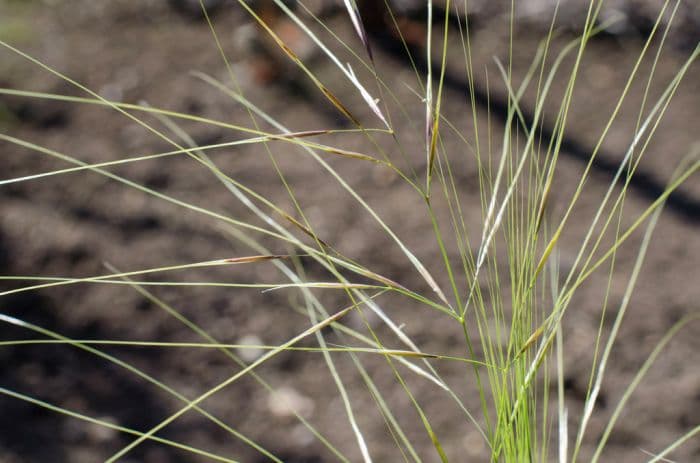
(502, 286)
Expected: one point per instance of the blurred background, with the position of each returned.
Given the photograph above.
(149, 52)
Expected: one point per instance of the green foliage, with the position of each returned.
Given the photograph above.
(502, 287)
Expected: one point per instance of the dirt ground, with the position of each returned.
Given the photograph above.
(71, 225)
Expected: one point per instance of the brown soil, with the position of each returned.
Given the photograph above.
(70, 225)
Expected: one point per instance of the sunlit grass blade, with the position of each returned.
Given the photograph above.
(411, 256)
(678, 442)
(222, 385)
(230, 355)
(139, 373)
(635, 382)
(110, 425)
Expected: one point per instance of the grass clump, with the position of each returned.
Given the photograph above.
(495, 276)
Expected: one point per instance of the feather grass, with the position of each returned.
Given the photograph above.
(508, 296)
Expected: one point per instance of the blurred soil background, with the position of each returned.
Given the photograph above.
(71, 225)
